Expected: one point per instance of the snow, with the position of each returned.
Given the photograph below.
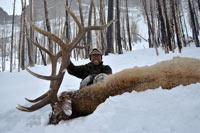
(162, 111)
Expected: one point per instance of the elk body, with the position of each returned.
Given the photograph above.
(167, 74)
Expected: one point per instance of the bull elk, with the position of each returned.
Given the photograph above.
(50, 97)
(167, 74)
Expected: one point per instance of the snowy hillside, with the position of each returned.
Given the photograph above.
(161, 111)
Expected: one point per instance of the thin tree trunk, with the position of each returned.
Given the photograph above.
(150, 30)
(98, 41)
(118, 29)
(185, 23)
(24, 32)
(12, 36)
(175, 10)
(109, 34)
(167, 26)
(182, 30)
(102, 22)
(48, 28)
(89, 33)
(82, 21)
(30, 46)
(124, 44)
(20, 41)
(67, 23)
(128, 27)
(163, 28)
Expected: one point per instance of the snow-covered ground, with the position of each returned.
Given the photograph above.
(151, 111)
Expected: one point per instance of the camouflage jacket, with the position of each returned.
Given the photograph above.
(83, 71)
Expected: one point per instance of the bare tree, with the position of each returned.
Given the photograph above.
(89, 33)
(128, 26)
(163, 28)
(24, 32)
(20, 39)
(12, 35)
(102, 22)
(48, 27)
(82, 22)
(168, 27)
(30, 46)
(152, 38)
(174, 9)
(194, 26)
(3, 42)
(109, 34)
(67, 22)
(118, 29)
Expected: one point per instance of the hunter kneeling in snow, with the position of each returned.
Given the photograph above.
(92, 72)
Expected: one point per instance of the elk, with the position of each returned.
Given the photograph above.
(50, 97)
(166, 74)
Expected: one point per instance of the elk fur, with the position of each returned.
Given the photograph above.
(166, 74)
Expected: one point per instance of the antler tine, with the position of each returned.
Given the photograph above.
(39, 98)
(35, 106)
(40, 47)
(100, 27)
(74, 17)
(84, 30)
(41, 76)
(48, 34)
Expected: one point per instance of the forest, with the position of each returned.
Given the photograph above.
(170, 24)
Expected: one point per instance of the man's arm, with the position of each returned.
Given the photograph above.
(77, 71)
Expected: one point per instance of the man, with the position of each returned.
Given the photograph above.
(92, 72)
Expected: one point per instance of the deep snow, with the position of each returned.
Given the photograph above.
(161, 111)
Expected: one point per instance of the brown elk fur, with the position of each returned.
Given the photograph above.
(166, 74)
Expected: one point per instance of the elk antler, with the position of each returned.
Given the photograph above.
(50, 97)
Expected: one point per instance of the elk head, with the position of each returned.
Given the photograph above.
(50, 97)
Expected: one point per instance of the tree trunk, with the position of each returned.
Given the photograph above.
(181, 27)
(20, 40)
(30, 46)
(163, 28)
(82, 21)
(48, 28)
(167, 26)
(118, 29)
(12, 35)
(102, 22)
(67, 22)
(194, 26)
(150, 30)
(185, 24)
(98, 40)
(177, 28)
(109, 34)
(128, 27)
(24, 32)
(153, 32)
(89, 33)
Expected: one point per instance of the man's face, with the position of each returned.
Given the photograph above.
(96, 59)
